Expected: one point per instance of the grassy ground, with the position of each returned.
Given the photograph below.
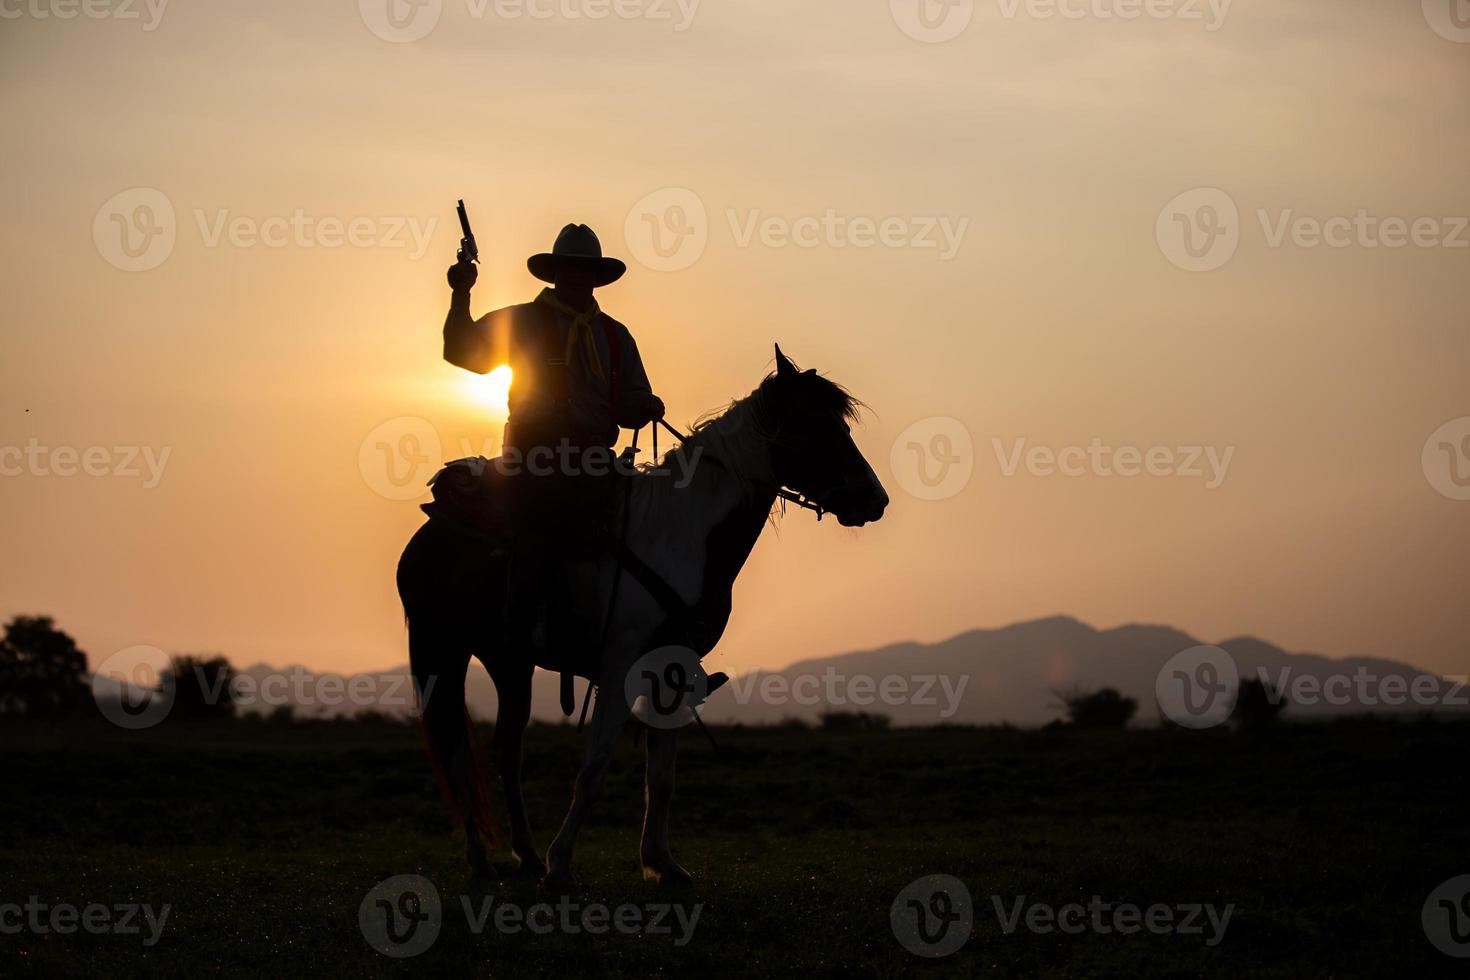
(265, 838)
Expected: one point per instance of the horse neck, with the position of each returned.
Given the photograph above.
(728, 496)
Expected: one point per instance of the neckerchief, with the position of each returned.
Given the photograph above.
(579, 332)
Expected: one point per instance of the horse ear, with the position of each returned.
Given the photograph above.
(784, 367)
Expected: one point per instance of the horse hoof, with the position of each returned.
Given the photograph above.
(558, 883)
(530, 867)
(669, 876)
(480, 867)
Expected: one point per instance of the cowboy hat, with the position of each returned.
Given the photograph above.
(576, 248)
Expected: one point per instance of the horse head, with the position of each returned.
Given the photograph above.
(812, 452)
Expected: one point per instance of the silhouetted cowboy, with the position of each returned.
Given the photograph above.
(576, 371)
(576, 379)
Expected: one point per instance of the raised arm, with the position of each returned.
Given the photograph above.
(467, 341)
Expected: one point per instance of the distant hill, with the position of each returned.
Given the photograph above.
(978, 677)
(1013, 671)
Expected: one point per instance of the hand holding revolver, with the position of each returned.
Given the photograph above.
(463, 273)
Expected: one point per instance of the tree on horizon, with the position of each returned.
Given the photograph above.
(1097, 710)
(42, 671)
(199, 687)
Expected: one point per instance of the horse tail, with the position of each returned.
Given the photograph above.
(449, 733)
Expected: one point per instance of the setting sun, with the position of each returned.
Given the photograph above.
(490, 390)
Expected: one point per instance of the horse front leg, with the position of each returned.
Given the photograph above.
(513, 689)
(608, 718)
(653, 850)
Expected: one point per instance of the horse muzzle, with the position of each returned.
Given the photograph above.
(856, 505)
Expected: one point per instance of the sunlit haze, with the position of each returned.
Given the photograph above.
(976, 230)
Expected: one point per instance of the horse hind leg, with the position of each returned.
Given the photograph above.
(438, 663)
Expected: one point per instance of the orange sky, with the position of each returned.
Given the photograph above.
(820, 154)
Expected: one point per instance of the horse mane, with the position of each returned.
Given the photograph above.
(740, 435)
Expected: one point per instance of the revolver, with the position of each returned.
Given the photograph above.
(468, 250)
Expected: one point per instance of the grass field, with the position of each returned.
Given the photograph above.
(264, 839)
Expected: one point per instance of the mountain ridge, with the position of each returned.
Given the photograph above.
(988, 675)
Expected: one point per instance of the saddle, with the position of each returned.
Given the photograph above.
(479, 500)
(475, 498)
(470, 495)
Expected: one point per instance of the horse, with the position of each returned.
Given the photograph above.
(792, 434)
